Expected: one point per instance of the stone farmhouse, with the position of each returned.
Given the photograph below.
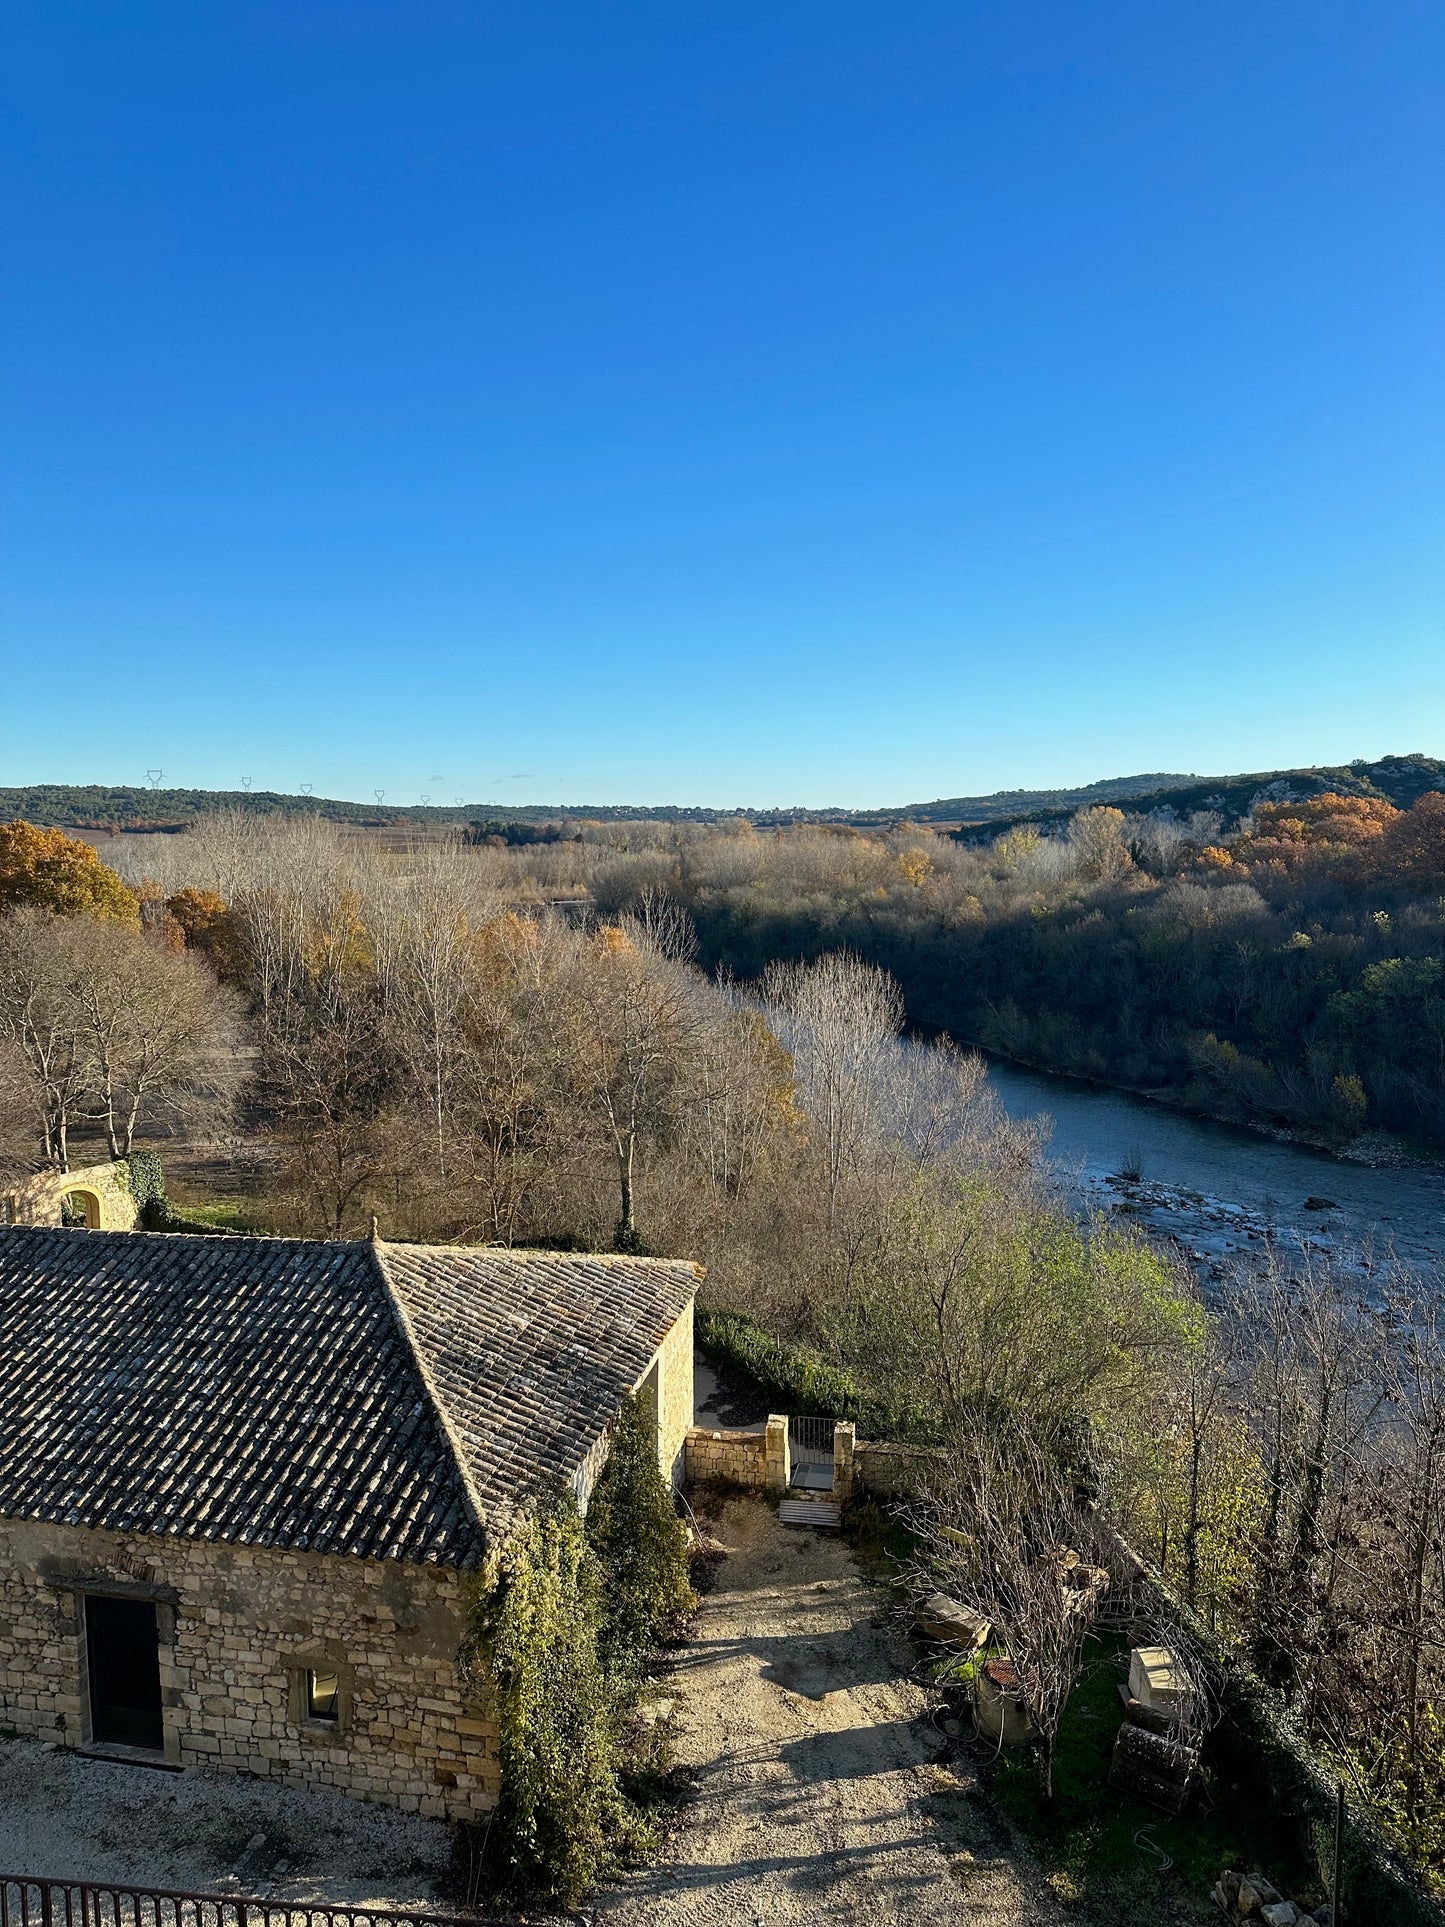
(245, 1484)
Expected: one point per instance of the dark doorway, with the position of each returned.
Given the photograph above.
(125, 1672)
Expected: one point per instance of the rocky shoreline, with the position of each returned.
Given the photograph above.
(1226, 1243)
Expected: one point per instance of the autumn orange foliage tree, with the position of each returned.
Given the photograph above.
(48, 870)
(1416, 842)
(1355, 840)
(206, 924)
(1326, 832)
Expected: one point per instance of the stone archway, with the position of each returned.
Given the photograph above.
(97, 1198)
(81, 1209)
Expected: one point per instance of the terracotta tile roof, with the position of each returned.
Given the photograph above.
(376, 1400)
(530, 1353)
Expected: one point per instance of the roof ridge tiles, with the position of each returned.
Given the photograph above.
(331, 1394)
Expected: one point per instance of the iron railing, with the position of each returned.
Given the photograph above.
(810, 1440)
(27, 1900)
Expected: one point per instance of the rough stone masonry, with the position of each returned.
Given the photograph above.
(245, 1485)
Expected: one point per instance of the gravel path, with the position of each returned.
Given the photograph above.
(80, 1819)
(822, 1796)
(819, 1799)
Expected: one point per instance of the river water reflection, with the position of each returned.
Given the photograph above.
(1222, 1192)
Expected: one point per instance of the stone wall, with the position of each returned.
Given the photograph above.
(666, 1389)
(239, 1627)
(101, 1190)
(890, 1471)
(778, 1450)
(673, 1365)
(762, 1461)
(845, 1445)
(727, 1458)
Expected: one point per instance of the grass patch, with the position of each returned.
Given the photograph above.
(1086, 1837)
(226, 1214)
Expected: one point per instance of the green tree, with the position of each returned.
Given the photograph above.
(987, 1303)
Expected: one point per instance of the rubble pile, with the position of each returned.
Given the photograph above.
(1251, 1898)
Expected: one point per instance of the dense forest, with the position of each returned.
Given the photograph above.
(1265, 949)
(1287, 972)
(348, 1030)
(116, 807)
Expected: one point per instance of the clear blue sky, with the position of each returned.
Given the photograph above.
(726, 403)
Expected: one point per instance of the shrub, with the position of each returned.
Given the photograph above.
(800, 1380)
(633, 1528)
(562, 1821)
(147, 1182)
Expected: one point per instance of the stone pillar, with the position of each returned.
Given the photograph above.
(779, 1466)
(845, 1437)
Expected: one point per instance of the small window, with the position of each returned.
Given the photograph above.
(323, 1696)
(318, 1694)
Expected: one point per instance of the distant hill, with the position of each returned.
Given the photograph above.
(92, 806)
(95, 807)
(1399, 779)
(1013, 803)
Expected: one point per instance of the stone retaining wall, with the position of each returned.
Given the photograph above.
(761, 1461)
(727, 1458)
(890, 1471)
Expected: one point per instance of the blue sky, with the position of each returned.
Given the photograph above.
(728, 404)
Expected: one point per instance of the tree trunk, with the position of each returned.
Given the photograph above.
(627, 1223)
(439, 1106)
(1191, 1534)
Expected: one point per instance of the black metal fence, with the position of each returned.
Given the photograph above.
(29, 1901)
(811, 1440)
(810, 1449)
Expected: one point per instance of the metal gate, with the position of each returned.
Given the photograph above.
(810, 1452)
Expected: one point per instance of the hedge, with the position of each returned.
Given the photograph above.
(800, 1381)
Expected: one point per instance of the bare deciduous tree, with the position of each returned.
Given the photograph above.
(42, 1022)
(112, 1028)
(327, 1078)
(628, 1022)
(842, 1017)
(159, 1033)
(1006, 1536)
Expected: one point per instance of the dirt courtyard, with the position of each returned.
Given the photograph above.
(77, 1819)
(824, 1794)
(820, 1793)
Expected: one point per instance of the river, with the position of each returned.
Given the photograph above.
(1225, 1194)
